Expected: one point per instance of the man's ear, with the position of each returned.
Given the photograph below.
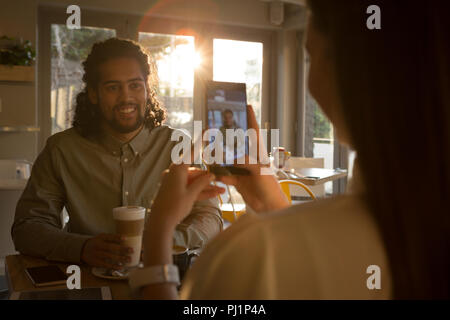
(92, 94)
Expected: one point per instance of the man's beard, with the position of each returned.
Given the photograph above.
(127, 129)
(114, 124)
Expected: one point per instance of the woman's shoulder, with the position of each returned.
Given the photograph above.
(340, 214)
(320, 246)
(341, 209)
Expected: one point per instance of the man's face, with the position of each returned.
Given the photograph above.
(121, 94)
(228, 119)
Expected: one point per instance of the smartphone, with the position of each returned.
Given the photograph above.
(226, 108)
(46, 276)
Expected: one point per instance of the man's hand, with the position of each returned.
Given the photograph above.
(106, 251)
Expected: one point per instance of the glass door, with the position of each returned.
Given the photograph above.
(69, 48)
(240, 61)
(176, 60)
(61, 52)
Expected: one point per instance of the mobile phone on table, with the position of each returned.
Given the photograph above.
(45, 276)
(226, 108)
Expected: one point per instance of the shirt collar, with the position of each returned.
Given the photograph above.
(137, 144)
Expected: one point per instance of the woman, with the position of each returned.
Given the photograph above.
(386, 92)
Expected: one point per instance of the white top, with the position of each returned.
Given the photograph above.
(317, 250)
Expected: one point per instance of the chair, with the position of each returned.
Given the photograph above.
(286, 189)
(230, 214)
(231, 211)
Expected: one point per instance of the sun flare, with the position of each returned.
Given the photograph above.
(196, 59)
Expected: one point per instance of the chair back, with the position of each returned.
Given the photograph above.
(285, 186)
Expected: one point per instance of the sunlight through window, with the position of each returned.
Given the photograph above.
(176, 60)
(240, 61)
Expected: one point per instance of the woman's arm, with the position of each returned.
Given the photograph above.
(180, 188)
(158, 241)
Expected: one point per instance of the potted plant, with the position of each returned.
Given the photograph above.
(16, 59)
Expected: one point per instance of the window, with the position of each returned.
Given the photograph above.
(69, 48)
(176, 47)
(176, 60)
(319, 136)
(240, 61)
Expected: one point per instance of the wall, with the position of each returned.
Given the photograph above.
(18, 19)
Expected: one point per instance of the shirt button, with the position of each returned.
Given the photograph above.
(114, 153)
(126, 193)
(136, 153)
(125, 160)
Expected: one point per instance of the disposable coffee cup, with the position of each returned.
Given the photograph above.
(129, 221)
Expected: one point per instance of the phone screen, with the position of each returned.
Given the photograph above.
(226, 104)
(46, 275)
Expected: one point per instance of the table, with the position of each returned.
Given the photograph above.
(315, 176)
(18, 280)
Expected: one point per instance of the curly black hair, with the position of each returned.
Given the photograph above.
(86, 118)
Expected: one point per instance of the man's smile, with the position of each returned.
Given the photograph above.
(127, 110)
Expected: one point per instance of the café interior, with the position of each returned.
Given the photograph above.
(256, 42)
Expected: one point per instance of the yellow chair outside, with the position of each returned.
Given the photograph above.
(239, 208)
(228, 213)
(284, 184)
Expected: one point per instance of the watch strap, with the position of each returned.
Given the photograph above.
(138, 278)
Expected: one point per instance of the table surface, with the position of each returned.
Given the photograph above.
(316, 176)
(18, 280)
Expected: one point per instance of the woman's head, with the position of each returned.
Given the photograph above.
(387, 92)
(323, 82)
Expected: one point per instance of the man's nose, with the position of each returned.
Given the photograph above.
(124, 94)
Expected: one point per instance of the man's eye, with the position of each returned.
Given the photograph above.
(112, 88)
(135, 85)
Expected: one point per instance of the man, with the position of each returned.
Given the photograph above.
(228, 122)
(113, 156)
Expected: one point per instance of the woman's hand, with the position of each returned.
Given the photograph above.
(181, 186)
(260, 191)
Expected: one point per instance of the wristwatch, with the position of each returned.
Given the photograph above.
(141, 277)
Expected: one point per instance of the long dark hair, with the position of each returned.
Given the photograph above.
(87, 115)
(394, 85)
